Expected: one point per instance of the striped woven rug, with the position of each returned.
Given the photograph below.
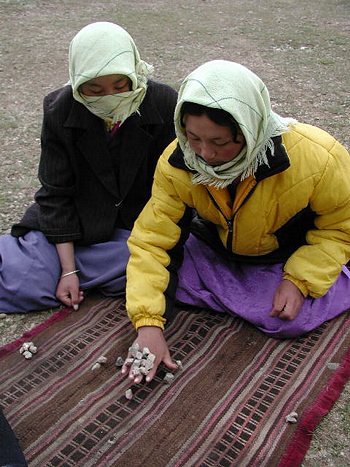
(227, 407)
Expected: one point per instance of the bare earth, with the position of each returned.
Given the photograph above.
(299, 48)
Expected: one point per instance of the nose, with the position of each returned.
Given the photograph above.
(207, 152)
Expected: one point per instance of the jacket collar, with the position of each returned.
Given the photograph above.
(92, 143)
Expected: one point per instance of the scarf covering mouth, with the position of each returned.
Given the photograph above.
(101, 49)
(229, 86)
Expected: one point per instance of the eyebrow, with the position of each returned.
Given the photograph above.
(92, 83)
(213, 139)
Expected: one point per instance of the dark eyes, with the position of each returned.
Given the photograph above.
(96, 90)
(193, 138)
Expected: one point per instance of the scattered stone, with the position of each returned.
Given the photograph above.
(96, 366)
(332, 365)
(2, 315)
(129, 394)
(102, 359)
(292, 417)
(179, 364)
(112, 440)
(168, 378)
(119, 362)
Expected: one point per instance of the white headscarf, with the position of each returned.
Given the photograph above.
(226, 85)
(101, 49)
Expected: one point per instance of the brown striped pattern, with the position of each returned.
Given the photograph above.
(227, 407)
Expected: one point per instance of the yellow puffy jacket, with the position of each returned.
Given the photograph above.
(309, 171)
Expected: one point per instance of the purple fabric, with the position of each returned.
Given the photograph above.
(30, 270)
(247, 290)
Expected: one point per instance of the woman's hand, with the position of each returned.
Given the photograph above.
(153, 338)
(68, 291)
(287, 301)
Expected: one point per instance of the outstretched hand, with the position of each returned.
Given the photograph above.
(287, 301)
(151, 337)
(68, 291)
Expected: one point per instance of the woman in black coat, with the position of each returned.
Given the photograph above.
(101, 138)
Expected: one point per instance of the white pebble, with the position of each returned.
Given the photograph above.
(148, 365)
(179, 364)
(96, 366)
(33, 349)
(128, 394)
(134, 349)
(2, 315)
(332, 365)
(151, 357)
(168, 378)
(27, 355)
(290, 419)
(102, 359)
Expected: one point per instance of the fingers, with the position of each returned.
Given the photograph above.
(170, 364)
(76, 303)
(280, 312)
(288, 312)
(68, 292)
(287, 301)
(140, 368)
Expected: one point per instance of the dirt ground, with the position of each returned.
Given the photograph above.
(299, 48)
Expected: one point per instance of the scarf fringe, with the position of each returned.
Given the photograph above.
(280, 126)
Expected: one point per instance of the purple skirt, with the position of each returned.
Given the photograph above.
(30, 270)
(247, 290)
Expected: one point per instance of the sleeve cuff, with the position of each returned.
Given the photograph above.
(301, 286)
(158, 322)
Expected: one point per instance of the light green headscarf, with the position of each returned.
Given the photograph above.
(229, 86)
(101, 49)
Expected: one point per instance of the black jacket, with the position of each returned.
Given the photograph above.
(92, 183)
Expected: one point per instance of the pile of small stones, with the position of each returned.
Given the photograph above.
(141, 362)
(99, 362)
(28, 349)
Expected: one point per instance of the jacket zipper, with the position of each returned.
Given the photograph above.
(229, 221)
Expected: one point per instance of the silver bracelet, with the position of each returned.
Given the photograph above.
(69, 273)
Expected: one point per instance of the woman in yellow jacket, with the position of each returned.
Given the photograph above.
(267, 200)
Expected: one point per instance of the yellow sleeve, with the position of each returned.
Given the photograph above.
(155, 233)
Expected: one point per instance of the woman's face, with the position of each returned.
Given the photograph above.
(105, 85)
(210, 141)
